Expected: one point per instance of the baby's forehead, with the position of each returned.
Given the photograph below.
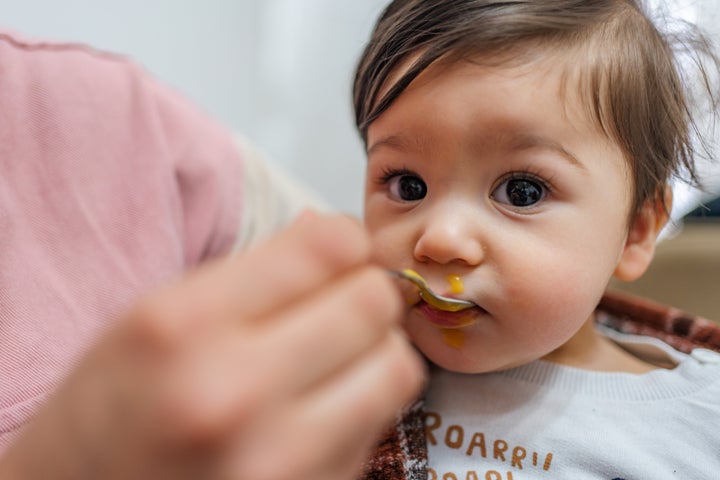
(582, 87)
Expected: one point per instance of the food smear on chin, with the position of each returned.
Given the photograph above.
(456, 284)
(453, 337)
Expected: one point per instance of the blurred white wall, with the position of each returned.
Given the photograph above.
(278, 71)
(706, 14)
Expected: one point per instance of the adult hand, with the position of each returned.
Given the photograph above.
(281, 363)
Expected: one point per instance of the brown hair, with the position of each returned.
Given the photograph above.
(630, 75)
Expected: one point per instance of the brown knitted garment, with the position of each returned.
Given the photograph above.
(631, 314)
(402, 452)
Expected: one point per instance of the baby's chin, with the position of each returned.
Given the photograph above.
(456, 360)
(465, 359)
(470, 349)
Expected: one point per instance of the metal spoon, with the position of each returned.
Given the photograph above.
(431, 298)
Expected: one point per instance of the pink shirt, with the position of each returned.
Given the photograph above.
(109, 185)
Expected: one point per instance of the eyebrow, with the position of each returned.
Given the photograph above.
(515, 140)
(524, 141)
(399, 142)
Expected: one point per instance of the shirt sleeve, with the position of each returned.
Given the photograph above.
(271, 196)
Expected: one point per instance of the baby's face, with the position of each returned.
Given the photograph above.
(493, 174)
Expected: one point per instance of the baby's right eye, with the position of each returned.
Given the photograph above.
(407, 187)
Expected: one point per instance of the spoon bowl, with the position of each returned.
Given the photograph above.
(428, 296)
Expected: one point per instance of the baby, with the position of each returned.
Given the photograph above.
(526, 147)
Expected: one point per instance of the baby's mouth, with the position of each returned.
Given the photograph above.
(446, 319)
(422, 291)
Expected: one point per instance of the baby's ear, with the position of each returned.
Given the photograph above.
(640, 244)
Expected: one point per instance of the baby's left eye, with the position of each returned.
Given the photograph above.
(520, 192)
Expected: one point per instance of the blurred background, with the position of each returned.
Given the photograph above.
(280, 72)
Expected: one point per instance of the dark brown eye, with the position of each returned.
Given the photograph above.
(408, 188)
(519, 192)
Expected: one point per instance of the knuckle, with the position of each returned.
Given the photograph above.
(170, 319)
(195, 414)
(375, 298)
(399, 381)
(337, 241)
(149, 324)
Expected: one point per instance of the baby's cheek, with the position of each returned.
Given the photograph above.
(562, 295)
(379, 249)
(569, 300)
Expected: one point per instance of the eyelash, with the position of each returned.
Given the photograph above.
(388, 173)
(528, 174)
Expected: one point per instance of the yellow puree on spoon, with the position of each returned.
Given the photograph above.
(453, 336)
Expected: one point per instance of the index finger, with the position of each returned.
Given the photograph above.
(310, 253)
(313, 251)
(298, 261)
